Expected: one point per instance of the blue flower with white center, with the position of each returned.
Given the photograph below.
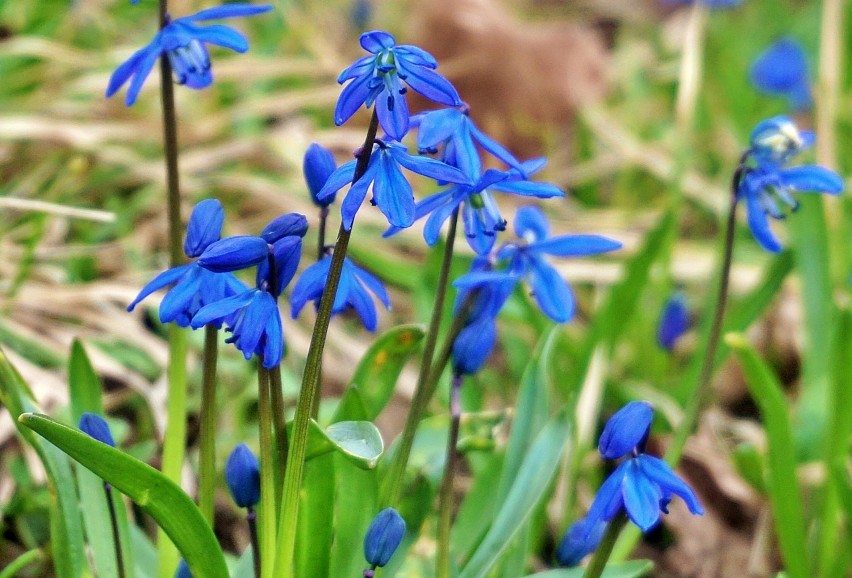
(774, 143)
(782, 69)
(318, 166)
(391, 191)
(193, 286)
(579, 541)
(627, 430)
(183, 42)
(452, 131)
(383, 537)
(96, 427)
(355, 291)
(242, 473)
(674, 321)
(379, 78)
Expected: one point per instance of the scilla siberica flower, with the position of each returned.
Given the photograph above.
(774, 142)
(525, 259)
(782, 69)
(194, 286)
(391, 191)
(579, 540)
(183, 570)
(355, 291)
(674, 321)
(317, 167)
(379, 78)
(96, 427)
(182, 41)
(242, 473)
(642, 485)
(383, 537)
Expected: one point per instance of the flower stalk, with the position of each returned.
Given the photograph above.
(604, 549)
(268, 505)
(445, 498)
(116, 540)
(251, 519)
(207, 434)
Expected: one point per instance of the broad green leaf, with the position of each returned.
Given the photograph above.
(358, 441)
(144, 554)
(632, 569)
(784, 491)
(159, 497)
(377, 372)
(533, 479)
(316, 518)
(66, 526)
(356, 494)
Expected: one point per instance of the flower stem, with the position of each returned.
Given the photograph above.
(445, 497)
(310, 384)
(119, 560)
(268, 505)
(323, 220)
(255, 543)
(604, 549)
(207, 434)
(393, 482)
(279, 427)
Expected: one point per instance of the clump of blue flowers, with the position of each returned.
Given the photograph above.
(767, 178)
(183, 42)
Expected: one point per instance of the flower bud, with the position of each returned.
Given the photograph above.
(242, 473)
(777, 140)
(204, 227)
(290, 224)
(674, 321)
(234, 253)
(626, 430)
(95, 426)
(383, 537)
(318, 166)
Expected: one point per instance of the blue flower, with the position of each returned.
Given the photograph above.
(194, 287)
(242, 473)
(774, 143)
(286, 253)
(318, 166)
(782, 69)
(452, 131)
(674, 321)
(234, 253)
(287, 225)
(391, 191)
(96, 427)
(627, 430)
(355, 291)
(379, 78)
(183, 570)
(526, 260)
(579, 540)
(183, 43)
(383, 537)
(254, 322)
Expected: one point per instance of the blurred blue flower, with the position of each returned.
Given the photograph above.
(391, 191)
(383, 537)
(317, 167)
(674, 321)
(183, 570)
(379, 78)
(579, 540)
(242, 473)
(183, 43)
(627, 430)
(356, 290)
(96, 427)
(774, 143)
(194, 287)
(782, 70)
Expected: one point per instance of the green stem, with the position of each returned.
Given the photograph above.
(284, 553)
(393, 482)
(268, 506)
(21, 562)
(445, 498)
(255, 543)
(323, 220)
(279, 426)
(207, 434)
(116, 540)
(604, 549)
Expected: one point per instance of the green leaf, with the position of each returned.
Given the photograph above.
(356, 494)
(316, 518)
(784, 492)
(632, 569)
(750, 467)
(358, 441)
(377, 373)
(534, 477)
(158, 496)
(66, 528)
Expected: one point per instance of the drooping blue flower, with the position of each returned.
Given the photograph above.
(96, 427)
(579, 541)
(286, 253)
(391, 191)
(383, 537)
(287, 225)
(674, 321)
(253, 320)
(183, 42)
(782, 70)
(317, 167)
(627, 430)
(234, 253)
(242, 473)
(379, 78)
(452, 132)
(355, 290)
(193, 286)
(774, 143)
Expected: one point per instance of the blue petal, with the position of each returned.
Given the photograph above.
(127, 68)
(96, 427)
(357, 192)
(162, 280)
(373, 284)
(759, 225)
(287, 225)
(345, 286)
(253, 324)
(177, 305)
(811, 178)
(221, 309)
(234, 253)
(530, 222)
(383, 537)
(375, 41)
(204, 227)
(242, 473)
(273, 348)
(437, 126)
(393, 194)
(476, 279)
(641, 496)
(626, 430)
(473, 346)
(392, 109)
(360, 300)
(464, 154)
(309, 285)
(579, 540)
(495, 148)
(432, 229)
(608, 501)
(143, 69)
(530, 189)
(416, 55)
(352, 97)
(660, 473)
(428, 167)
(317, 167)
(362, 66)
(427, 82)
(551, 292)
(781, 68)
(221, 35)
(287, 252)
(337, 180)
(227, 11)
(674, 322)
(575, 245)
